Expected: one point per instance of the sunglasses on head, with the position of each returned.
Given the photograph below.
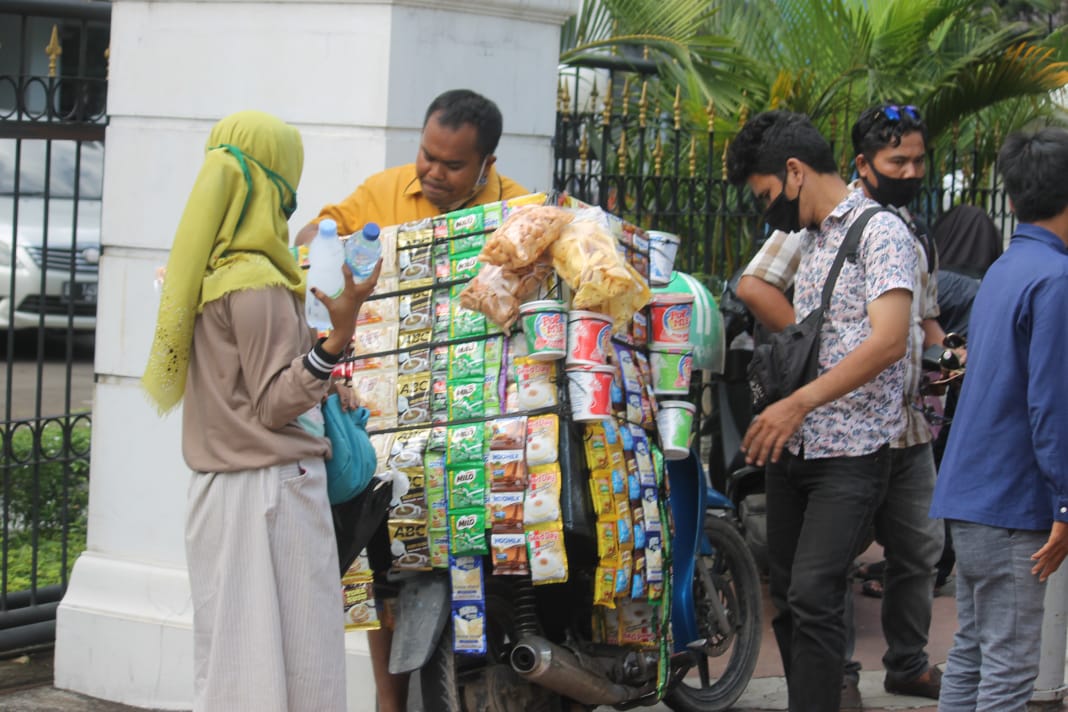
(893, 112)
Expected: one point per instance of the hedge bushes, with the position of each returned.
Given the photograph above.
(45, 474)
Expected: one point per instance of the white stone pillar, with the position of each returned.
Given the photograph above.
(355, 77)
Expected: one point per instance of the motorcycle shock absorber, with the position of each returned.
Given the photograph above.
(526, 609)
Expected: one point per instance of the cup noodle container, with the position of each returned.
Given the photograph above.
(545, 326)
(670, 316)
(590, 390)
(674, 422)
(663, 246)
(671, 366)
(589, 338)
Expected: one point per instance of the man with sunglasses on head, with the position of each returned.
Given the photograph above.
(453, 169)
(825, 445)
(890, 145)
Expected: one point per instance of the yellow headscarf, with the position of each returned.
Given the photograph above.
(232, 236)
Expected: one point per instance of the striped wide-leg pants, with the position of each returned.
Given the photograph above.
(268, 625)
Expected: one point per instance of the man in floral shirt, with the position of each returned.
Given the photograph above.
(825, 445)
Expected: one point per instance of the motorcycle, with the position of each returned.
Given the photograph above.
(540, 653)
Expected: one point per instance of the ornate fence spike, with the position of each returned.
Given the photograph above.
(53, 50)
(606, 119)
(626, 99)
(583, 149)
(658, 156)
(643, 104)
(711, 111)
(593, 97)
(622, 152)
(726, 145)
(693, 156)
(566, 100)
(677, 107)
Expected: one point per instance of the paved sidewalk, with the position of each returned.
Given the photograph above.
(25, 683)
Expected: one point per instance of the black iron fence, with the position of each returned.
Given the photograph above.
(53, 88)
(627, 142)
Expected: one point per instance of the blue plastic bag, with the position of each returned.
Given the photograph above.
(353, 462)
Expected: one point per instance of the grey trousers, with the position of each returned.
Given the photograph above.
(994, 660)
(268, 623)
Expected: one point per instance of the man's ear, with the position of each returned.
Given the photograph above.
(863, 167)
(794, 167)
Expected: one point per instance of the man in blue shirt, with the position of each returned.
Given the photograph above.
(1003, 485)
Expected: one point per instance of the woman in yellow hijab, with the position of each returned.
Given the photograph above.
(231, 340)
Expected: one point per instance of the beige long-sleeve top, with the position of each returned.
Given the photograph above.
(252, 371)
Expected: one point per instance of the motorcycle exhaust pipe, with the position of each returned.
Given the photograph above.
(557, 669)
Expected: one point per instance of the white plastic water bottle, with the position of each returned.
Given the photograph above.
(325, 258)
(362, 251)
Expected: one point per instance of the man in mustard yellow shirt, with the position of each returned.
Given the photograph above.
(454, 169)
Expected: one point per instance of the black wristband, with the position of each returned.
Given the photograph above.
(320, 361)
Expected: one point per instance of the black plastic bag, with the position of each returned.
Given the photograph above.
(357, 521)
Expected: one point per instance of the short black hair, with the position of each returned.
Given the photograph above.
(457, 107)
(883, 125)
(768, 139)
(1034, 164)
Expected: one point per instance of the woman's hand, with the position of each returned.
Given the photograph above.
(345, 307)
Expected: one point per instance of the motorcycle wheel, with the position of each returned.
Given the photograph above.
(729, 657)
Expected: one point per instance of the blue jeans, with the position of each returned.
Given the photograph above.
(818, 513)
(994, 660)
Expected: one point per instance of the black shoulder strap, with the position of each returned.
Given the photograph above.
(848, 250)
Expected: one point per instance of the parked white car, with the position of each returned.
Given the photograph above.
(49, 282)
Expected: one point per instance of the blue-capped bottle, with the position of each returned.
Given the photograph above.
(325, 258)
(362, 251)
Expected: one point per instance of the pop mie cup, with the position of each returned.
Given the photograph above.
(545, 327)
(589, 388)
(674, 421)
(589, 338)
(670, 317)
(663, 246)
(671, 366)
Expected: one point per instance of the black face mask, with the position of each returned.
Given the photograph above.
(784, 214)
(897, 192)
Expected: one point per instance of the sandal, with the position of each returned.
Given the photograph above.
(872, 588)
(874, 570)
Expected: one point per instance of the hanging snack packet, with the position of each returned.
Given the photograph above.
(464, 266)
(469, 628)
(542, 502)
(651, 510)
(467, 360)
(637, 580)
(466, 486)
(439, 547)
(414, 362)
(505, 511)
(601, 494)
(415, 310)
(623, 573)
(465, 574)
(536, 381)
(464, 443)
(637, 515)
(439, 397)
(607, 541)
(466, 399)
(414, 266)
(548, 558)
(442, 309)
(637, 623)
(437, 506)
(595, 441)
(506, 470)
(654, 562)
(464, 322)
(543, 432)
(507, 433)
(409, 545)
(467, 531)
(413, 399)
(434, 468)
(509, 553)
(604, 587)
(359, 602)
